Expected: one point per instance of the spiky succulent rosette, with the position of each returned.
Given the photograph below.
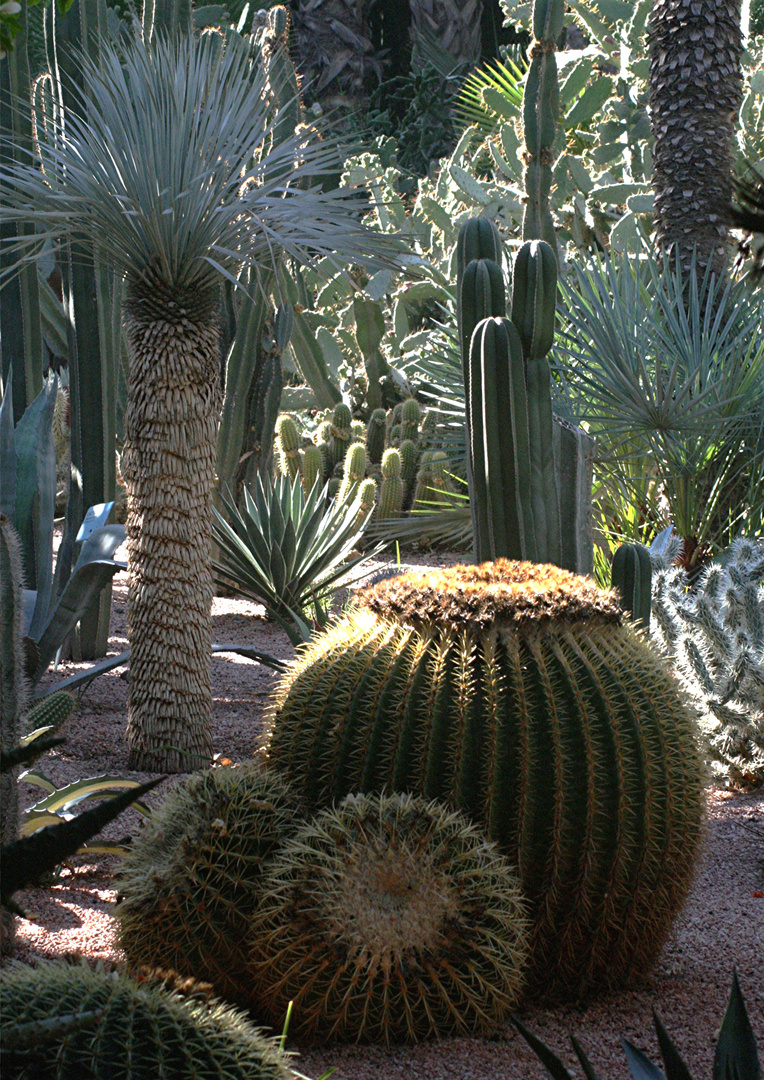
(517, 693)
(192, 877)
(388, 918)
(128, 1029)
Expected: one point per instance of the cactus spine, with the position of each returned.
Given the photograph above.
(518, 694)
(540, 109)
(632, 577)
(382, 892)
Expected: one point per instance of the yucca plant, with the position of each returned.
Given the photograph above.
(170, 168)
(287, 550)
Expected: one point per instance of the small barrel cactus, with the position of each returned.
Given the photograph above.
(192, 876)
(518, 693)
(131, 1030)
(389, 918)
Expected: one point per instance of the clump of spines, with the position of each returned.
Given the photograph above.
(192, 876)
(129, 1028)
(517, 693)
(388, 919)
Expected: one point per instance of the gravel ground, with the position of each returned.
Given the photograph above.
(721, 926)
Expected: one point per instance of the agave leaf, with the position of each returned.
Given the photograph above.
(94, 787)
(34, 820)
(586, 1065)
(736, 1056)
(26, 755)
(672, 1059)
(83, 678)
(26, 859)
(640, 1065)
(80, 591)
(548, 1059)
(7, 452)
(38, 779)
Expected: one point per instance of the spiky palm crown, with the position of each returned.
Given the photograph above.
(389, 918)
(142, 1030)
(171, 168)
(192, 876)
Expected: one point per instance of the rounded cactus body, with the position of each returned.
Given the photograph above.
(192, 876)
(391, 919)
(410, 417)
(517, 693)
(143, 1029)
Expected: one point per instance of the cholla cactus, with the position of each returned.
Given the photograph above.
(714, 636)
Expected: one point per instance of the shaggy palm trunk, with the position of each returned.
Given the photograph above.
(169, 468)
(334, 53)
(455, 24)
(695, 93)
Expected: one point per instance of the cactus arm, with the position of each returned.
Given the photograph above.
(632, 578)
(312, 363)
(540, 109)
(546, 514)
(482, 295)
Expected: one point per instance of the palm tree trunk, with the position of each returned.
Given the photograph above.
(169, 468)
(695, 91)
(456, 24)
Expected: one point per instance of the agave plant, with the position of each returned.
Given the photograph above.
(288, 551)
(736, 1056)
(169, 168)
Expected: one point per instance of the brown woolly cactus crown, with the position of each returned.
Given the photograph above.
(389, 918)
(501, 591)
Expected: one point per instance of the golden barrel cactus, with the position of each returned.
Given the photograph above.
(388, 919)
(517, 693)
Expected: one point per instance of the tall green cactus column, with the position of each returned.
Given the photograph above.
(90, 294)
(540, 109)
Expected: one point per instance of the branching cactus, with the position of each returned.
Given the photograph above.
(529, 476)
(540, 109)
(714, 635)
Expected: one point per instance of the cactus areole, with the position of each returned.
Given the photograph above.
(518, 693)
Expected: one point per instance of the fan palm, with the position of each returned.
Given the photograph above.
(172, 170)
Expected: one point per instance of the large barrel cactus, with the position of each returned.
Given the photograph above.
(192, 877)
(64, 1021)
(518, 693)
(389, 918)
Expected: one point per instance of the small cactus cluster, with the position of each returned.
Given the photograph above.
(65, 1021)
(389, 918)
(392, 451)
(713, 633)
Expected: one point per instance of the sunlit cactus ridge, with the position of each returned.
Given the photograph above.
(517, 694)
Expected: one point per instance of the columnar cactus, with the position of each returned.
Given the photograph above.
(388, 918)
(375, 436)
(288, 446)
(522, 499)
(128, 1029)
(354, 470)
(631, 577)
(340, 434)
(517, 693)
(311, 466)
(391, 492)
(410, 417)
(540, 109)
(367, 493)
(409, 460)
(192, 877)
